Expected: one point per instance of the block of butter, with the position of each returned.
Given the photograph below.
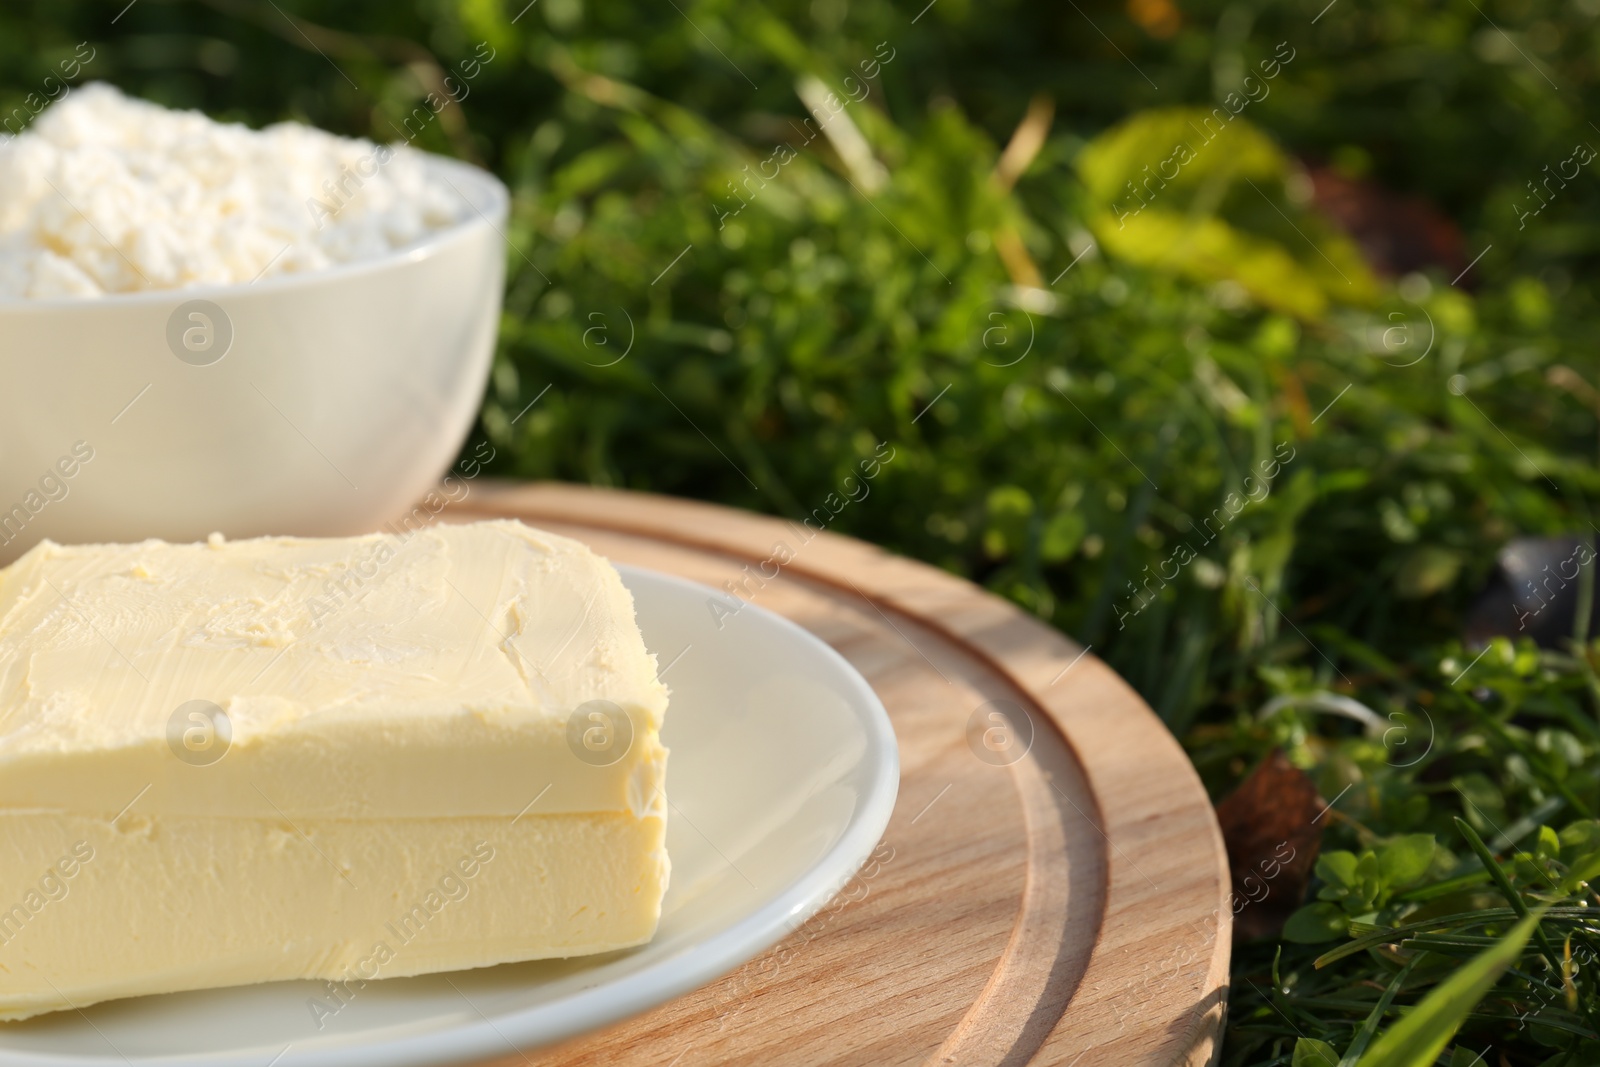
(336, 759)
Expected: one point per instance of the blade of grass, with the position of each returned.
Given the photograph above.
(1369, 1027)
(1444, 888)
(1515, 900)
(1422, 1033)
(1508, 891)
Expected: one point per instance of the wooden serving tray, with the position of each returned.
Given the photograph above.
(1071, 907)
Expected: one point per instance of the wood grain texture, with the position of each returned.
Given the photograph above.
(1068, 908)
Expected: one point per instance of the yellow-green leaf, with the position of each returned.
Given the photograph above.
(1309, 1052)
(1206, 195)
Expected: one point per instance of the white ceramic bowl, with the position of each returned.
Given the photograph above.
(339, 399)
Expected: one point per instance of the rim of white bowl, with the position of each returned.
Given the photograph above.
(484, 193)
(666, 979)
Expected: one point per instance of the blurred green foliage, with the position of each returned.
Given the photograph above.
(1202, 435)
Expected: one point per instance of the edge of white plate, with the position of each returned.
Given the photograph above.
(656, 983)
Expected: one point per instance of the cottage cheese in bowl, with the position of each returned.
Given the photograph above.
(273, 331)
(109, 194)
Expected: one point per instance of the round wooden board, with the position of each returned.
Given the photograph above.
(1068, 908)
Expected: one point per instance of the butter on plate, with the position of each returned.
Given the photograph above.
(340, 759)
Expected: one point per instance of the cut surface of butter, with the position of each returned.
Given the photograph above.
(342, 759)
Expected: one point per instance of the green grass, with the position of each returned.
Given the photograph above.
(1208, 441)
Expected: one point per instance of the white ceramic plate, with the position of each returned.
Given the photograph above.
(783, 773)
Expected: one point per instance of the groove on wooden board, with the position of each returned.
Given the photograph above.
(1071, 908)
